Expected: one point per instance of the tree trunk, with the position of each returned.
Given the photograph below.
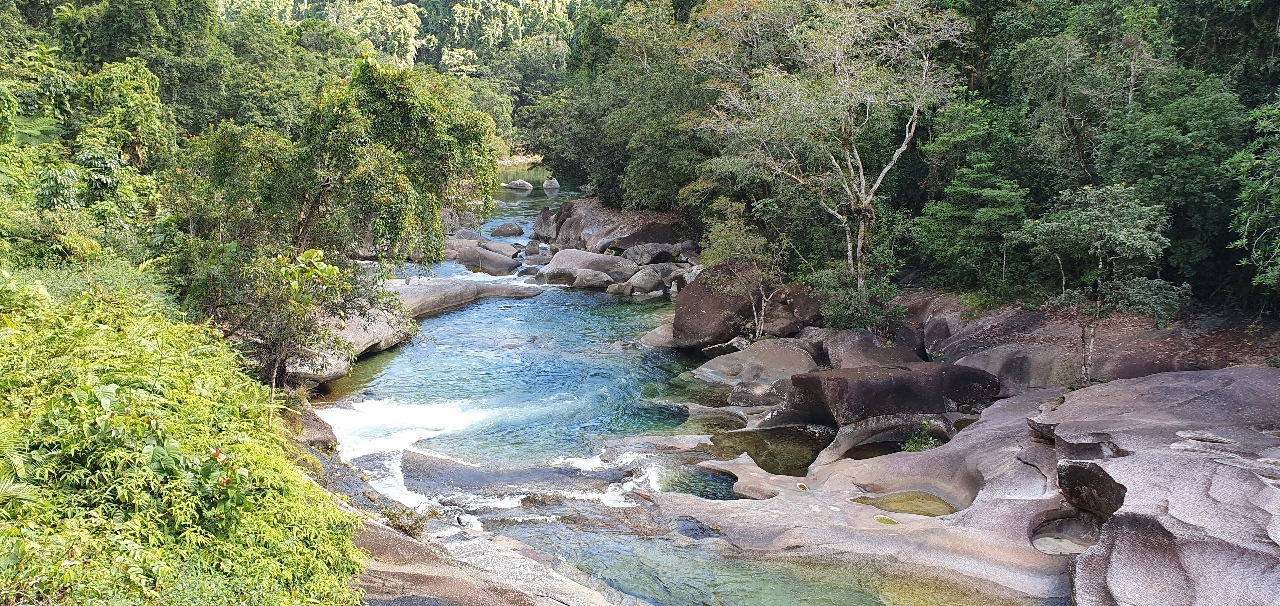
(851, 247)
(861, 272)
(1087, 335)
(1063, 272)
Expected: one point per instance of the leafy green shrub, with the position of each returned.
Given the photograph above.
(157, 478)
(921, 441)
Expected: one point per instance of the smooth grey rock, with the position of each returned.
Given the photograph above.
(647, 280)
(501, 248)
(763, 362)
(590, 278)
(486, 261)
(659, 337)
(507, 230)
(856, 348)
(618, 268)
(653, 252)
(519, 184)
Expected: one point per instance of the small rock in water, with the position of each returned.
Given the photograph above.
(507, 230)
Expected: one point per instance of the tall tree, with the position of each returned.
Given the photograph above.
(835, 118)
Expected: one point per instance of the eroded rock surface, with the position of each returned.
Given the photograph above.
(1187, 475)
(1167, 487)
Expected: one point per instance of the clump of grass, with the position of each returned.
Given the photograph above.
(921, 440)
(407, 519)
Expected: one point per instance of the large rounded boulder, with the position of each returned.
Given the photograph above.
(849, 395)
(717, 306)
(572, 260)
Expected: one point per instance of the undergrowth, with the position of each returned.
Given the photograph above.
(141, 468)
(921, 441)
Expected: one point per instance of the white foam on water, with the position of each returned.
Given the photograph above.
(592, 464)
(391, 484)
(630, 458)
(386, 425)
(471, 522)
(473, 502)
(596, 463)
(650, 478)
(614, 496)
(522, 519)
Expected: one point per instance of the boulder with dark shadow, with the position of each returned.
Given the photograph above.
(653, 252)
(717, 306)
(848, 395)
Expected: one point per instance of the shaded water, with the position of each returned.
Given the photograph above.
(506, 410)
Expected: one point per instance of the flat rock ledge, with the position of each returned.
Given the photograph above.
(421, 297)
(1143, 492)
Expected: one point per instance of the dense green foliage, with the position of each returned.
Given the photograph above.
(672, 106)
(140, 466)
(167, 162)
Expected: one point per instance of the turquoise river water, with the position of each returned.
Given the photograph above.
(504, 410)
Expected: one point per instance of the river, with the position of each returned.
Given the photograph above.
(509, 413)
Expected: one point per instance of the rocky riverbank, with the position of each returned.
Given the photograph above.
(1159, 490)
(1127, 492)
(1131, 491)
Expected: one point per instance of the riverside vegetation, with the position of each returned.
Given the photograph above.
(185, 186)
